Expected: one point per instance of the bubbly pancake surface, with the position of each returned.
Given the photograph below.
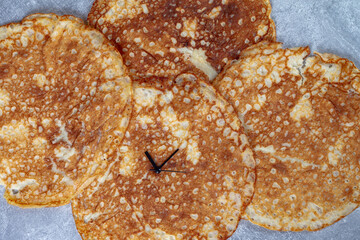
(165, 37)
(205, 202)
(65, 100)
(302, 119)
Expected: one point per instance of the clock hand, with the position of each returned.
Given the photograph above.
(168, 158)
(168, 171)
(156, 168)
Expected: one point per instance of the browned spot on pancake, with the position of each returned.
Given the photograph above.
(281, 168)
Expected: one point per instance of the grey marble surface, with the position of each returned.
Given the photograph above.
(325, 25)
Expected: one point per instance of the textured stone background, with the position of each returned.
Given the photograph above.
(325, 25)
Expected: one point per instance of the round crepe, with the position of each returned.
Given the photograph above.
(303, 125)
(65, 98)
(165, 37)
(207, 201)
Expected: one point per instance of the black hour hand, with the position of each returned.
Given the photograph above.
(156, 168)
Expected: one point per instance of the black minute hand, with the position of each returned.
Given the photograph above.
(168, 158)
(156, 168)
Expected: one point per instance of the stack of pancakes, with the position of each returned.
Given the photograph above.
(175, 119)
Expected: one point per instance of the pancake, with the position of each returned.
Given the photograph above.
(166, 37)
(205, 200)
(65, 103)
(301, 115)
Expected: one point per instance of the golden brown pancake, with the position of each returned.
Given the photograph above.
(302, 119)
(206, 202)
(165, 37)
(65, 101)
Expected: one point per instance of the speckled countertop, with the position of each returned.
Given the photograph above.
(325, 25)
